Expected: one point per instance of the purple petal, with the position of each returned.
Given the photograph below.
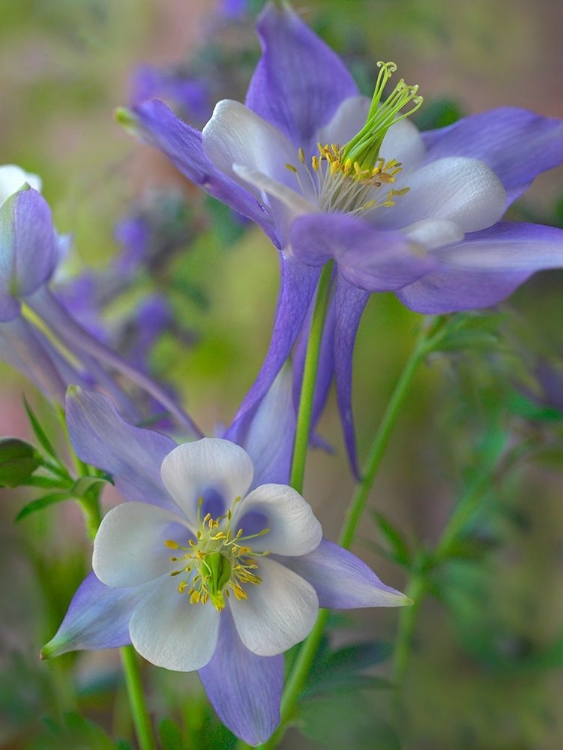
(98, 617)
(28, 249)
(133, 456)
(517, 144)
(181, 143)
(93, 352)
(35, 241)
(29, 352)
(485, 268)
(298, 284)
(377, 261)
(342, 580)
(349, 304)
(299, 82)
(268, 435)
(245, 689)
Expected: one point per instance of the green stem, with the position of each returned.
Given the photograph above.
(303, 663)
(92, 514)
(303, 427)
(418, 584)
(141, 718)
(361, 496)
(416, 591)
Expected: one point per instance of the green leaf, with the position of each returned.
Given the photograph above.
(45, 483)
(87, 733)
(346, 720)
(83, 486)
(170, 735)
(40, 432)
(527, 409)
(42, 502)
(339, 670)
(18, 461)
(399, 547)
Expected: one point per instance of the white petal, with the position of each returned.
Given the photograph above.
(129, 547)
(348, 120)
(278, 613)
(294, 530)
(192, 469)
(462, 190)
(170, 632)
(13, 178)
(236, 135)
(295, 202)
(403, 143)
(434, 233)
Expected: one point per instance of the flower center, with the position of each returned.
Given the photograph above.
(350, 178)
(216, 562)
(345, 186)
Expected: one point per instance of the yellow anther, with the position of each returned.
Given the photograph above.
(302, 160)
(171, 544)
(294, 170)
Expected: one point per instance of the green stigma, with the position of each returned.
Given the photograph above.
(219, 570)
(363, 149)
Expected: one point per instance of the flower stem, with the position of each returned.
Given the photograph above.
(419, 583)
(416, 591)
(360, 498)
(303, 663)
(141, 718)
(304, 414)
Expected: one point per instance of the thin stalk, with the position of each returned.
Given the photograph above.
(303, 663)
(141, 718)
(418, 584)
(361, 496)
(92, 514)
(310, 369)
(416, 591)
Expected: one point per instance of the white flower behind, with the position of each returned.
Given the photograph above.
(13, 178)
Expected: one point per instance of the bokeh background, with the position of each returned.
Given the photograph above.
(485, 672)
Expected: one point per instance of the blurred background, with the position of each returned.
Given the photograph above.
(485, 670)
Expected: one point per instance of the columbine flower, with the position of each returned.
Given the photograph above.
(328, 174)
(30, 250)
(207, 568)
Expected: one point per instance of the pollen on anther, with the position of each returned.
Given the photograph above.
(171, 544)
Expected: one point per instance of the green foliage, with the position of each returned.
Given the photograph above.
(346, 720)
(171, 736)
(338, 671)
(77, 732)
(398, 546)
(39, 432)
(439, 114)
(18, 461)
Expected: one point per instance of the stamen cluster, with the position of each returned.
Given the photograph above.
(215, 562)
(344, 185)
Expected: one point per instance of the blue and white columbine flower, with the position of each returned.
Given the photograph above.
(205, 569)
(328, 174)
